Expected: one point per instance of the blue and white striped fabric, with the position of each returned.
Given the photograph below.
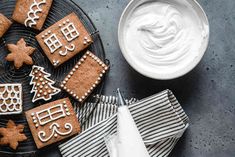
(159, 118)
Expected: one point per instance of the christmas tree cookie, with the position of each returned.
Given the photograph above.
(32, 13)
(5, 23)
(52, 122)
(84, 77)
(43, 88)
(10, 99)
(64, 39)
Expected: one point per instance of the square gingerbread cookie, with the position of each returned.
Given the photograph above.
(32, 13)
(5, 24)
(84, 77)
(10, 99)
(64, 39)
(52, 122)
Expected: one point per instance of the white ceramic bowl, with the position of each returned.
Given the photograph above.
(158, 74)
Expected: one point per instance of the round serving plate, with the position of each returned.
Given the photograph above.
(8, 74)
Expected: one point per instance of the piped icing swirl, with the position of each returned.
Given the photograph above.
(163, 37)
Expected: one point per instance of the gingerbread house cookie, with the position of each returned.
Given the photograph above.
(52, 122)
(5, 23)
(64, 39)
(10, 99)
(32, 13)
(84, 77)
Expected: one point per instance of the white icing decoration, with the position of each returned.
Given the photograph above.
(86, 40)
(71, 48)
(49, 116)
(70, 32)
(45, 79)
(55, 131)
(32, 14)
(11, 100)
(53, 43)
(55, 63)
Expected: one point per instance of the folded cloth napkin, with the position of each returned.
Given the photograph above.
(159, 118)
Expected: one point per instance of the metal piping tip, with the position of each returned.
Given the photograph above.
(120, 100)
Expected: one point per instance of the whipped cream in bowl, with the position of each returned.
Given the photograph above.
(163, 39)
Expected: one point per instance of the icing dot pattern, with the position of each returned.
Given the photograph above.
(76, 67)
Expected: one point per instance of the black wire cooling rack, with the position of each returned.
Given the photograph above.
(8, 74)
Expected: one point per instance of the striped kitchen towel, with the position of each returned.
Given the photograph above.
(159, 118)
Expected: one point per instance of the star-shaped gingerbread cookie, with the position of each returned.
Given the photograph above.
(20, 53)
(12, 135)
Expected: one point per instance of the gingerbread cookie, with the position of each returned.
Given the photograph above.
(64, 39)
(52, 122)
(84, 77)
(20, 53)
(32, 13)
(5, 24)
(12, 135)
(10, 99)
(43, 88)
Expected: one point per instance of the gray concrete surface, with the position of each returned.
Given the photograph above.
(207, 93)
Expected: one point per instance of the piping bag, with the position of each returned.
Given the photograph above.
(127, 142)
